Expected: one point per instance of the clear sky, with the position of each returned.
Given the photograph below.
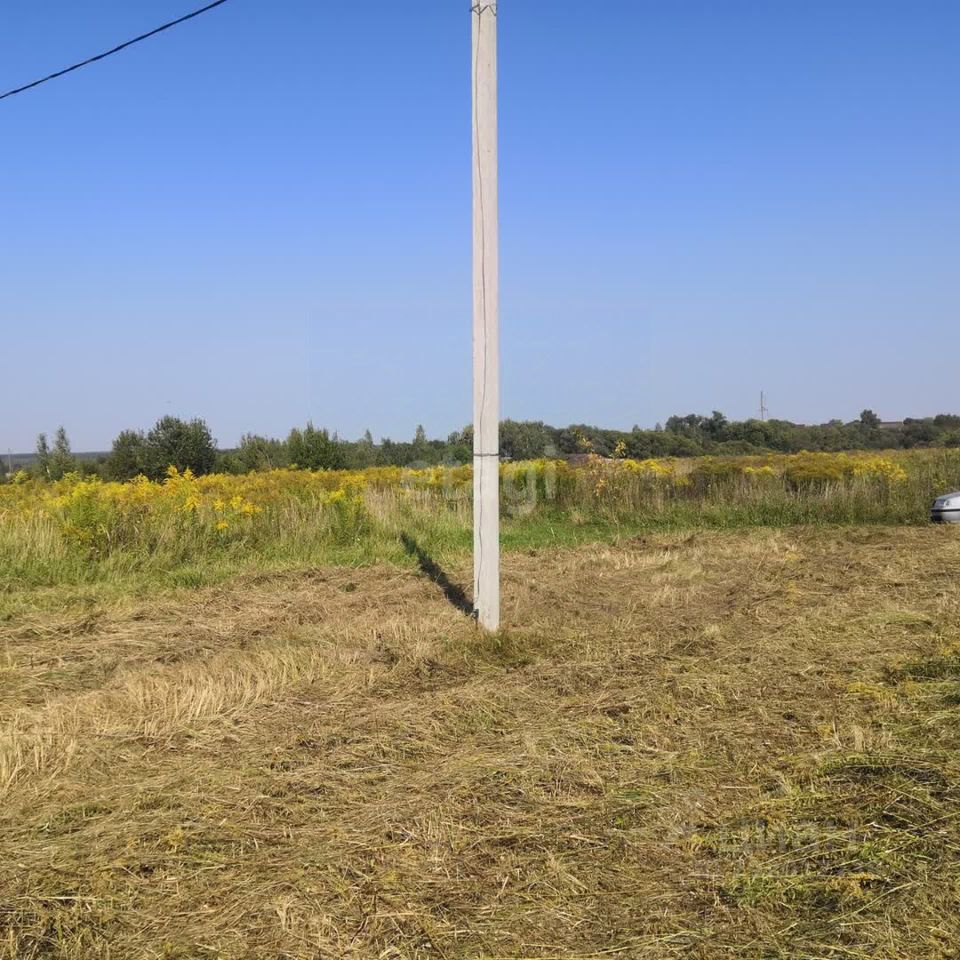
(262, 216)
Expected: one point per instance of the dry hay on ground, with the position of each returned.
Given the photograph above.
(703, 745)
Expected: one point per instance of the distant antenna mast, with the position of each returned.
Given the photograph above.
(763, 406)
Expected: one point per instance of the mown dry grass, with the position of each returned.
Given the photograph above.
(712, 744)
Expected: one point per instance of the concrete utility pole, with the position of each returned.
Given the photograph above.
(763, 405)
(486, 320)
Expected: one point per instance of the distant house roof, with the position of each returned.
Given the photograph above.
(891, 424)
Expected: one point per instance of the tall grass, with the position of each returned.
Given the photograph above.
(188, 529)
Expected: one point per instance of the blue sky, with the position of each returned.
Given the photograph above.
(262, 216)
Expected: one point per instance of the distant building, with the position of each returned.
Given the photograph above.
(891, 424)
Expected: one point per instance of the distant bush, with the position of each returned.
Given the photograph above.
(56, 463)
(128, 458)
(261, 453)
(186, 445)
(313, 449)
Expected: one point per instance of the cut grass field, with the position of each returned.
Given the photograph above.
(694, 744)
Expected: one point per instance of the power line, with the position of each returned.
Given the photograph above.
(110, 53)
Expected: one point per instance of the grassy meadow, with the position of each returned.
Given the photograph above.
(187, 531)
(246, 717)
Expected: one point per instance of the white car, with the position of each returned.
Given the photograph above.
(946, 509)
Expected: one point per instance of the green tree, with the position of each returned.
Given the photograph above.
(128, 457)
(364, 452)
(525, 440)
(313, 449)
(186, 445)
(261, 453)
(420, 449)
(715, 427)
(61, 460)
(43, 457)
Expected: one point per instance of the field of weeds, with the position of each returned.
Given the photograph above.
(94, 536)
(702, 743)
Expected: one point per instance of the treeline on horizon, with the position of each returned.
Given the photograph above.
(191, 445)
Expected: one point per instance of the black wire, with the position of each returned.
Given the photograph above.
(109, 53)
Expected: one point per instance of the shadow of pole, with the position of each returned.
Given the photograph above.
(454, 593)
